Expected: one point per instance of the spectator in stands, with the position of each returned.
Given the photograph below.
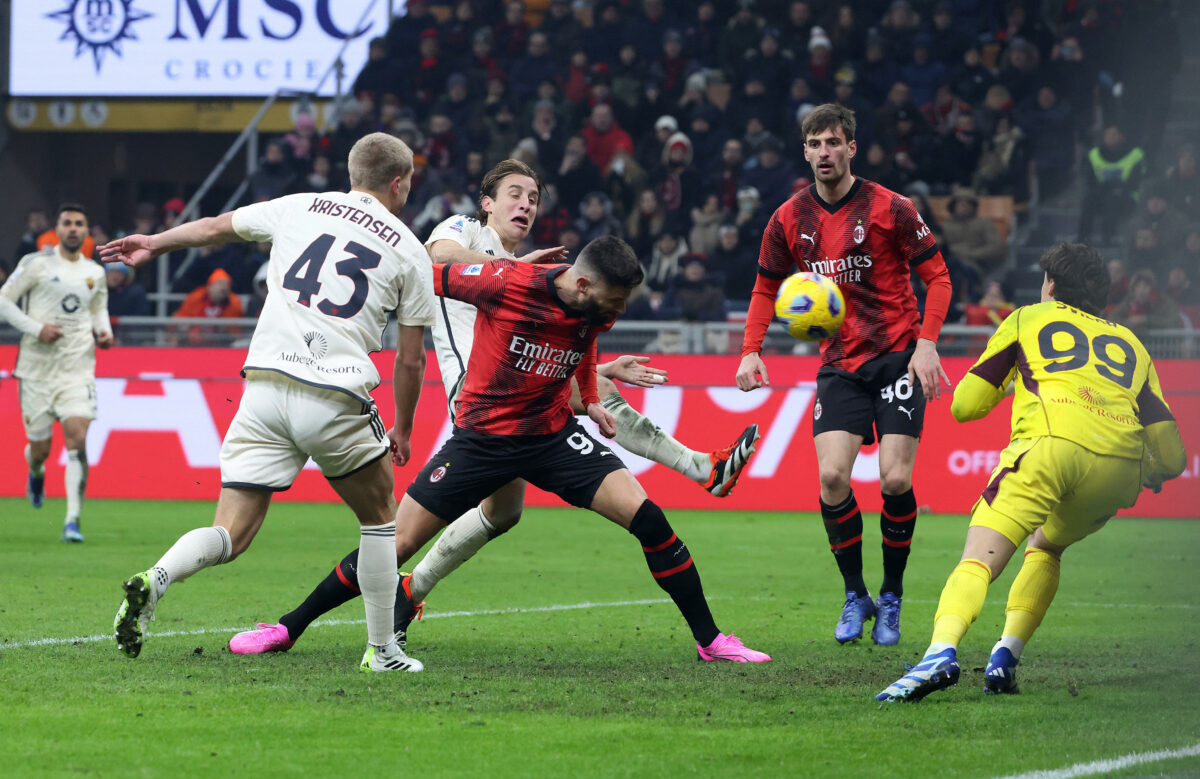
(741, 34)
(1146, 249)
(456, 104)
(1118, 282)
(274, 176)
(878, 166)
(751, 215)
(991, 309)
(511, 34)
(677, 181)
(1019, 70)
(624, 181)
(707, 134)
(706, 221)
(1179, 289)
(651, 146)
(646, 222)
(171, 211)
(482, 67)
(451, 200)
(948, 43)
(604, 136)
(942, 113)
(596, 218)
(405, 29)
(36, 223)
(1074, 76)
(647, 28)
(1156, 214)
(214, 300)
(670, 67)
(1003, 163)
(726, 178)
(501, 123)
(125, 296)
(351, 125)
(796, 30)
(973, 239)
(664, 260)
(1189, 254)
(971, 79)
(571, 240)
(561, 27)
(1112, 172)
(537, 63)
(1048, 124)
(997, 105)
(770, 62)
(320, 175)
(899, 99)
(1145, 308)
(628, 76)
(770, 174)
(923, 73)
(427, 80)
(258, 294)
(956, 155)
(445, 149)
(1182, 186)
(845, 93)
(737, 262)
(899, 26)
(576, 175)
(702, 35)
(818, 67)
(552, 217)
(698, 293)
(876, 73)
(456, 31)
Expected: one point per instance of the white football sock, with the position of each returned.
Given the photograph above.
(194, 551)
(1012, 644)
(458, 543)
(939, 646)
(377, 579)
(75, 482)
(37, 469)
(637, 434)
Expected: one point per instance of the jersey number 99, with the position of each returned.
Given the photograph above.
(1078, 353)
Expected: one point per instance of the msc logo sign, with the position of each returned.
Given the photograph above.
(99, 25)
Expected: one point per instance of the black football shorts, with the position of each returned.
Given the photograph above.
(470, 466)
(877, 399)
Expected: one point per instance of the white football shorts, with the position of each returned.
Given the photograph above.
(281, 422)
(43, 402)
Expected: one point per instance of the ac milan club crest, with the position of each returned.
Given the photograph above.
(859, 234)
(438, 474)
(817, 410)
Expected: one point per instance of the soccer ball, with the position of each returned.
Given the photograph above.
(811, 305)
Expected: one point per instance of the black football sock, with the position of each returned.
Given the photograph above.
(672, 567)
(340, 586)
(844, 526)
(897, 520)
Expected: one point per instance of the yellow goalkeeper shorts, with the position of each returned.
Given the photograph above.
(1057, 485)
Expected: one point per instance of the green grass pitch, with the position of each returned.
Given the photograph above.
(554, 654)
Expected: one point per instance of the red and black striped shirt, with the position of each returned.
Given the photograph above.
(867, 243)
(528, 345)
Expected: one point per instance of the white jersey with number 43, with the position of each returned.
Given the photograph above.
(340, 262)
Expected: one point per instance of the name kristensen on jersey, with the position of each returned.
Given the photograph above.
(359, 217)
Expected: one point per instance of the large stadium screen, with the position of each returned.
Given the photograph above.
(186, 48)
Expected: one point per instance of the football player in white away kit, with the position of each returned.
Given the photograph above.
(510, 195)
(340, 262)
(66, 318)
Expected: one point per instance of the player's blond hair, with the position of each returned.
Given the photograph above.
(376, 159)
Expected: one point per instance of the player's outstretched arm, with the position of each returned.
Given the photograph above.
(135, 250)
(407, 376)
(632, 369)
(539, 256)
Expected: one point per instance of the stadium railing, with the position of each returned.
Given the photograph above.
(626, 337)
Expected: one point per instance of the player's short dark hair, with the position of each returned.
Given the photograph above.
(1079, 275)
(827, 116)
(613, 260)
(70, 207)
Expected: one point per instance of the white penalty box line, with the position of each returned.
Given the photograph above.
(335, 622)
(1111, 765)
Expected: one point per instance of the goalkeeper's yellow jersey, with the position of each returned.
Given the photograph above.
(1077, 377)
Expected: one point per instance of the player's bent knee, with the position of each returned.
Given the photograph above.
(895, 484)
(835, 481)
(604, 386)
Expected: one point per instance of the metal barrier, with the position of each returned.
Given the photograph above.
(626, 337)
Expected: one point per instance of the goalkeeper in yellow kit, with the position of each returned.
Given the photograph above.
(1090, 428)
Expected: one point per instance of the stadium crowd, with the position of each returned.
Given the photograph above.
(676, 127)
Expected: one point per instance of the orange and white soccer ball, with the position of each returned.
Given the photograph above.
(811, 306)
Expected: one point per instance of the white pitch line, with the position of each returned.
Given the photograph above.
(331, 622)
(1108, 766)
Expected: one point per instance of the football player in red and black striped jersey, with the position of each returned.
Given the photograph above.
(878, 370)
